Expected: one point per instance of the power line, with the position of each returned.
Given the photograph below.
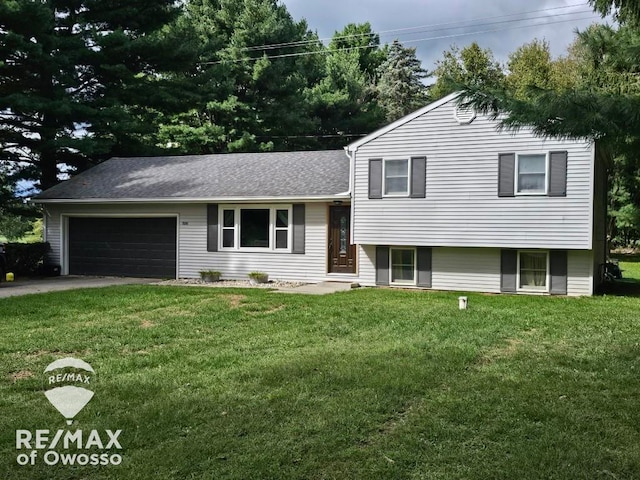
(456, 35)
(339, 135)
(386, 32)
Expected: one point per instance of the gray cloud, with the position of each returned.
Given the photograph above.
(329, 16)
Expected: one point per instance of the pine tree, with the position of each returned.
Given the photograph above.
(400, 87)
(625, 11)
(250, 82)
(344, 101)
(79, 80)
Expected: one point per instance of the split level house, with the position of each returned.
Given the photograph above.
(440, 199)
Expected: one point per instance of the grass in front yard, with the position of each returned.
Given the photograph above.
(367, 384)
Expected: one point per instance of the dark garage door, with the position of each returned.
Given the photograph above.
(131, 247)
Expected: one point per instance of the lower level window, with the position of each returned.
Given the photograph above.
(403, 266)
(532, 271)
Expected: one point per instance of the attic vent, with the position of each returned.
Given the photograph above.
(464, 115)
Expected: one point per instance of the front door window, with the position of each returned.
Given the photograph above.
(342, 255)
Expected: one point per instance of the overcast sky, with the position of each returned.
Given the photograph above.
(506, 24)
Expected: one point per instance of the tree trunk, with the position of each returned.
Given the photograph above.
(49, 169)
(48, 153)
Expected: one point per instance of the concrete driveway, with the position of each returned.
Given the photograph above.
(67, 282)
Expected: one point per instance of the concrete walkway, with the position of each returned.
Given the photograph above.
(71, 282)
(322, 288)
(67, 282)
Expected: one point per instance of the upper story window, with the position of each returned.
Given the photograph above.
(531, 174)
(396, 177)
(522, 174)
(255, 228)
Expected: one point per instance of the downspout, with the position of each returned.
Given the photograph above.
(351, 154)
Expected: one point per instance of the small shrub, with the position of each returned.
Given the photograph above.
(210, 275)
(258, 277)
(26, 258)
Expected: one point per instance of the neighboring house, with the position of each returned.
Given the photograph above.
(439, 199)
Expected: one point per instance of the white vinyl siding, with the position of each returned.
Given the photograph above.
(466, 269)
(459, 269)
(192, 242)
(478, 270)
(462, 207)
(580, 273)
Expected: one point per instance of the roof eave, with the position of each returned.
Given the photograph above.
(275, 199)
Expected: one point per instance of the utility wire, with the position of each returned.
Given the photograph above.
(386, 32)
(418, 40)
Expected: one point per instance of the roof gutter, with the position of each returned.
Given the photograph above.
(299, 199)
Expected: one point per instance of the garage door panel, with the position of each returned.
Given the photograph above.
(138, 247)
(112, 251)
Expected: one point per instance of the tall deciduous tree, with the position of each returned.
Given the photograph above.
(470, 66)
(400, 87)
(601, 104)
(604, 100)
(530, 66)
(80, 79)
(361, 39)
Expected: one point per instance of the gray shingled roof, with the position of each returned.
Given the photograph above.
(259, 175)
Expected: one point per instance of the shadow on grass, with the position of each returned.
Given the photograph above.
(625, 287)
(627, 257)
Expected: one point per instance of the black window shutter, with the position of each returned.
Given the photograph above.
(375, 178)
(298, 228)
(558, 272)
(418, 177)
(558, 174)
(212, 227)
(506, 174)
(424, 267)
(382, 265)
(508, 270)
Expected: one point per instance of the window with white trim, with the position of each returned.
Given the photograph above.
(256, 228)
(396, 177)
(531, 174)
(228, 228)
(402, 266)
(282, 228)
(533, 270)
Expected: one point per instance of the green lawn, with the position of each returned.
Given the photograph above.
(366, 384)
